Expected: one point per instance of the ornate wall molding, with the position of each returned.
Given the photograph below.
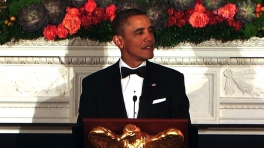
(30, 60)
(246, 81)
(53, 81)
(72, 60)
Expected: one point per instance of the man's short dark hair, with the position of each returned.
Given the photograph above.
(121, 18)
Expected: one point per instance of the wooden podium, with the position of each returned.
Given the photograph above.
(149, 126)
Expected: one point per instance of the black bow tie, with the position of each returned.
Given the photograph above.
(141, 71)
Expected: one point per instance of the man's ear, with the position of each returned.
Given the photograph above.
(118, 41)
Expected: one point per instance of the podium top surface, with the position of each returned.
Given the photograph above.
(149, 126)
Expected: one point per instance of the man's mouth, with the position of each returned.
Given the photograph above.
(148, 47)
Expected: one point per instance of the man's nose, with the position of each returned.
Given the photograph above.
(149, 37)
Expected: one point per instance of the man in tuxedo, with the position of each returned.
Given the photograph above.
(133, 87)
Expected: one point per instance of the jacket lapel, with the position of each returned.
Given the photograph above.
(149, 90)
(115, 91)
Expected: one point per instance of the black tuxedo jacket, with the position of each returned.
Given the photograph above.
(102, 94)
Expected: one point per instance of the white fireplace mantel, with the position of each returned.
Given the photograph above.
(41, 80)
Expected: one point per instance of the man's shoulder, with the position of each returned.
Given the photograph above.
(100, 73)
(162, 69)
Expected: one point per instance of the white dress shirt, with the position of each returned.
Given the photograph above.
(131, 86)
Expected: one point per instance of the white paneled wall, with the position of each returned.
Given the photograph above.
(41, 81)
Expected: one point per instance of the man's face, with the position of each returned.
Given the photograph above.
(137, 41)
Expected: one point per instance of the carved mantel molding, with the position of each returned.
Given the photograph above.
(107, 60)
(86, 48)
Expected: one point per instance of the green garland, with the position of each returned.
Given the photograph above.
(167, 37)
(172, 36)
(16, 5)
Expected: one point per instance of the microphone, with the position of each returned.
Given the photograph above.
(134, 99)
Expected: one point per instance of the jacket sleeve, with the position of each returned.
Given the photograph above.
(180, 103)
(87, 104)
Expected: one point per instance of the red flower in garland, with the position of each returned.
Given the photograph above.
(188, 14)
(199, 8)
(170, 11)
(212, 21)
(180, 22)
(176, 17)
(72, 11)
(111, 12)
(72, 23)
(90, 6)
(95, 20)
(50, 32)
(229, 22)
(86, 21)
(198, 20)
(198, 1)
(228, 11)
(219, 19)
(212, 17)
(71, 20)
(237, 25)
(99, 13)
(178, 14)
(62, 32)
(90, 14)
(171, 21)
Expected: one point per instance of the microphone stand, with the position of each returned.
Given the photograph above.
(134, 99)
